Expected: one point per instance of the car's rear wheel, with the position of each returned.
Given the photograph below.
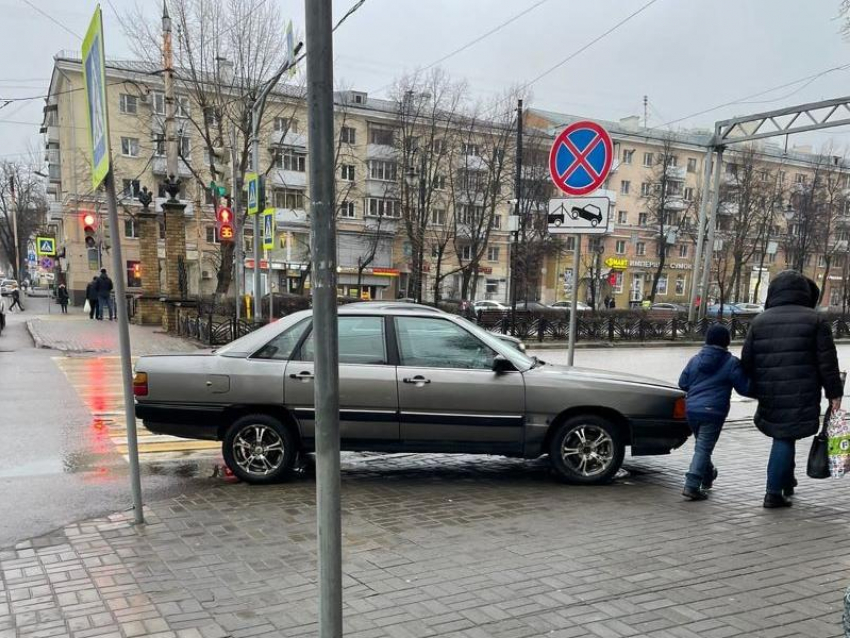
(587, 449)
(259, 449)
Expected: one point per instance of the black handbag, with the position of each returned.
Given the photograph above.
(817, 467)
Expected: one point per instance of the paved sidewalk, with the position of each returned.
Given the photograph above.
(74, 333)
(454, 547)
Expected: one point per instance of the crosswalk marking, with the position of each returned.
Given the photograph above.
(97, 381)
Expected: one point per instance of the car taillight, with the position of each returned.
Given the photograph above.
(140, 384)
(680, 409)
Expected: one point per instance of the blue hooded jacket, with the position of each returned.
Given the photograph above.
(708, 379)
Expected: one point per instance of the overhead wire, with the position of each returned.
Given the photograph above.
(52, 19)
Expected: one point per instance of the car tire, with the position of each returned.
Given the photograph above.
(594, 462)
(259, 449)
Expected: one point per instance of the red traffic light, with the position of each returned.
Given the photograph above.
(225, 215)
(88, 219)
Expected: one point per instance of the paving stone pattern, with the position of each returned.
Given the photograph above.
(473, 547)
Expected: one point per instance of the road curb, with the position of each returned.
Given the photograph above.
(37, 340)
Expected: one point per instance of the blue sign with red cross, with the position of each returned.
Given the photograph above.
(581, 158)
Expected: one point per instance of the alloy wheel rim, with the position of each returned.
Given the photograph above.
(588, 450)
(258, 450)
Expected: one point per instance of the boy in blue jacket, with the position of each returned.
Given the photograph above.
(708, 379)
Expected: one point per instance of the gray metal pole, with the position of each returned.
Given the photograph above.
(236, 200)
(712, 227)
(571, 353)
(703, 208)
(124, 342)
(320, 109)
(255, 159)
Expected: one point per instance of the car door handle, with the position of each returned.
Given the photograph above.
(417, 380)
(302, 376)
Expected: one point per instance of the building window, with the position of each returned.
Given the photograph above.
(134, 274)
(212, 235)
(130, 146)
(158, 103)
(628, 154)
(383, 170)
(647, 159)
(470, 214)
(378, 207)
(382, 136)
(683, 250)
(491, 286)
(570, 244)
(492, 253)
(347, 172)
(347, 135)
(618, 282)
(289, 160)
(289, 198)
(497, 222)
(821, 261)
(131, 188)
(622, 217)
(620, 248)
(438, 216)
(662, 285)
(182, 106)
(439, 146)
(347, 210)
(129, 104)
(673, 160)
(466, 252)
(435, 252)
(285, 125)
(625, 185)
(470, 150)
(781, 177)
(131, 229)
(439, 182)
(688, 194)
(800, 178)
(643, 218)
(640, 248)
(692, 164)
(680, 285)
(645, 189)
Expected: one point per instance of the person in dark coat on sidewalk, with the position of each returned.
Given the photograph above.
(790, 357)
(104, 295)
(91, 297)
(62, 297)
(709, 379)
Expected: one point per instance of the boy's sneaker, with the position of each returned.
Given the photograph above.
(707, 485)
(694, 494)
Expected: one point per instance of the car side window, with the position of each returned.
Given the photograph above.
(282, 345)
(361, 341)
(439, 343)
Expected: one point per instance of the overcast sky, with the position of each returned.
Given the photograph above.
(685, 55)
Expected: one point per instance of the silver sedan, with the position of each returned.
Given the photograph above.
(409, 381)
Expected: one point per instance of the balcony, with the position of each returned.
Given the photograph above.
(288, 138)
(52, 134)
(675, 204)
(292, 217)
(380, 151)
(54, 172)
(288, 179)
(159, 164)
(676, 172)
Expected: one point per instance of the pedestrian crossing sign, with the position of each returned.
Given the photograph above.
(45, 246)
(253, 182)
(268, 229)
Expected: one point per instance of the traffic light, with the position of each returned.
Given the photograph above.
(90, 237)
(224, 217)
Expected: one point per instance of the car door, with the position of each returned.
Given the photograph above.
(449, 397)
(368, 397)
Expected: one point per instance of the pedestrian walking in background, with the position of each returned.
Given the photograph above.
(16, 300)
(62, 298)
(91, 297)
(790, 356)
(709, 379)
(104, 295)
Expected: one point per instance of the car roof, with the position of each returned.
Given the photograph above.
(390, 305)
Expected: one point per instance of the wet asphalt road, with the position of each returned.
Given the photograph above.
(56, 462)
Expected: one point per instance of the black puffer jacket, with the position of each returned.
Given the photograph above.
(789, 356)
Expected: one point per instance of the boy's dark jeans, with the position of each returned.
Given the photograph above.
(706, 434)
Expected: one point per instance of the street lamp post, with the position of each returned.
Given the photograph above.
(413, 179)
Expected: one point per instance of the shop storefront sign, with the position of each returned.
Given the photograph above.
(617, 263)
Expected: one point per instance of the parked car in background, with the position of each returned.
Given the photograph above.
(485, 305)
(566, 305)
(728, 310)
(750, 308)
(7, 286)
(457, 306)
(668, 308)
(532, 306)
(409, 381)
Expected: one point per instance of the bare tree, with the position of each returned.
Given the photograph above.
(831, 202)
(804, 217)
(27, 208)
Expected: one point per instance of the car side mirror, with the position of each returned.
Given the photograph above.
(501, 365)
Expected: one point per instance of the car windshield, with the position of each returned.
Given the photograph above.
(523, 361)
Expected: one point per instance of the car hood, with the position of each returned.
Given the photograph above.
(590, 374)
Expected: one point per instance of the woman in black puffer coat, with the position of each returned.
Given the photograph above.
(790, 356)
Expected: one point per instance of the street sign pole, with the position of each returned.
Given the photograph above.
(571, 351)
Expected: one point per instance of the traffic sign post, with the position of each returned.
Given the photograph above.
(94, 64)
(45, 246)
(581, 158)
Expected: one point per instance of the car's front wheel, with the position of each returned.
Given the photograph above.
(259, 449)
(587, 449)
